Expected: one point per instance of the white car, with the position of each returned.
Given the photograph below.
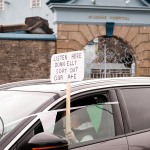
(113, 114)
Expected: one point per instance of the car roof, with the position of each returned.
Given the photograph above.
(39, 85)
(45, 85)
(114, 82)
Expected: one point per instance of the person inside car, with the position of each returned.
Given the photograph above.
(81, 131)
(82, 125)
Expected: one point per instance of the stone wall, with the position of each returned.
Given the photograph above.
(25, 59)
(75, 37)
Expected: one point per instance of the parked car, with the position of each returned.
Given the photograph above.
(117, 109)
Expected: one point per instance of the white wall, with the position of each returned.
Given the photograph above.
(18, 10)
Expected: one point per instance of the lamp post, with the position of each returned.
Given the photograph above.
(105, 61)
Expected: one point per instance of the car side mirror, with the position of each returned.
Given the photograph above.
(47, 141)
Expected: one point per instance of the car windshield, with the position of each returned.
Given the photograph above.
(18, 104)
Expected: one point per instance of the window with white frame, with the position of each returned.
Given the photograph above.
(1, 4)
(35, 3)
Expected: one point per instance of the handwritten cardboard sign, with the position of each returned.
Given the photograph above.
(67, 67)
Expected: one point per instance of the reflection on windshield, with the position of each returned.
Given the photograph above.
(16, 105)
(1, 127)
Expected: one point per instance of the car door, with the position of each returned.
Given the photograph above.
(135, 103)
(106, 117)
(101, 107)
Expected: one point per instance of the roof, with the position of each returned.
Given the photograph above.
(31, 24)
(40, 27)
(57, 1)
(111, 82)
(44, 85)
(24, 36)
(133, 3)
(14, 27)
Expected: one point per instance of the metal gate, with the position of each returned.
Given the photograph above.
(108, 58)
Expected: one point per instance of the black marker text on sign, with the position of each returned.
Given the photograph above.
(67, 67)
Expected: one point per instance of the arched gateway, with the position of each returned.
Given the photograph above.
(117, 32)
(109, 57)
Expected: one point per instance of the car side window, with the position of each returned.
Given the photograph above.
(88, 123)
(92, 118)
(137, 103)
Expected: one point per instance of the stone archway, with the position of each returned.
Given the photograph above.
(71, 37)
